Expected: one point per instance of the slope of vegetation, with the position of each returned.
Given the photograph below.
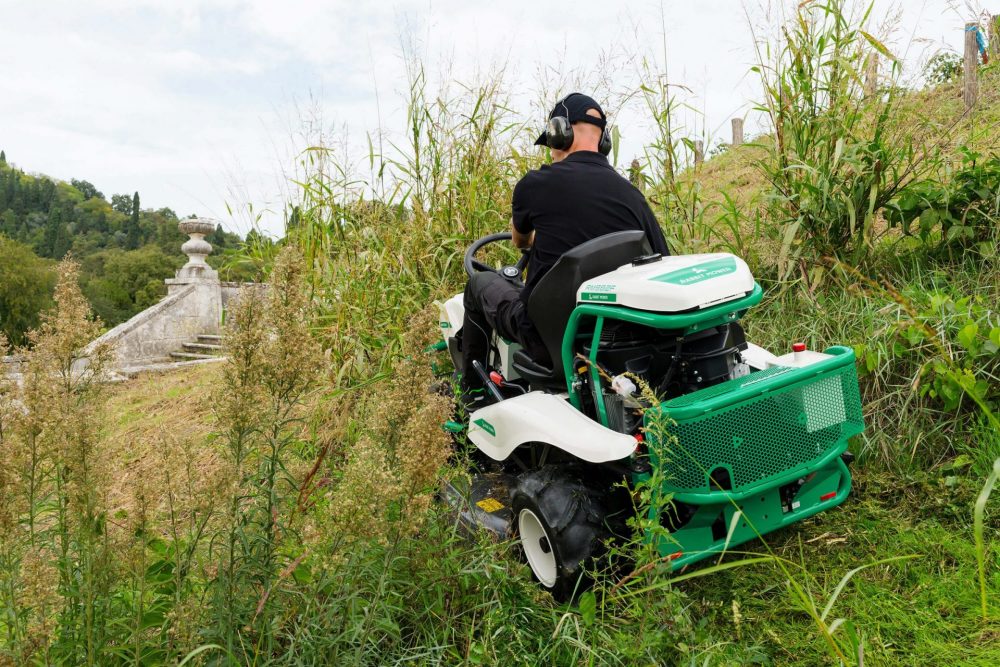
(280, 509)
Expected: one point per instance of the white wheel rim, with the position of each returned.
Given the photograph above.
(533, 535)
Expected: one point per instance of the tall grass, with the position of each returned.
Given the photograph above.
(304, 528)
(835, 156)
(375, 262)
(273, 366)
(57, 545)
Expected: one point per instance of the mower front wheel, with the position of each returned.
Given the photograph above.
(560, 524)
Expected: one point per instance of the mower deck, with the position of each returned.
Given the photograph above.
(482, 504)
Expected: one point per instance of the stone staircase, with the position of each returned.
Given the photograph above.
(207, 346)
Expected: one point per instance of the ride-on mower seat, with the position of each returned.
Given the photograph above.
(535, 373)
(554, 297)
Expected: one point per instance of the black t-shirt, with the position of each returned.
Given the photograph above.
(575, 200)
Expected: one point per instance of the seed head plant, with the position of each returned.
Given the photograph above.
(59, 470)
(274, 363)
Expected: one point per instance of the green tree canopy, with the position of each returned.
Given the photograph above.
(87, 189)
(121, 283)
(122, 203)
(52, 218)
(26, 285)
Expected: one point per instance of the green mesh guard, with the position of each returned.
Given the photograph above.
(763, 437)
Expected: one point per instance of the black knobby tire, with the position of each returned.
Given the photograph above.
(571, 515)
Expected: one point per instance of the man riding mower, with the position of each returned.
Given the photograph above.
(560, 375)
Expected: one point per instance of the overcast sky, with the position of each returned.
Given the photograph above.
(195, 103)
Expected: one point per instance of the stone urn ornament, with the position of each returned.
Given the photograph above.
(197, 249)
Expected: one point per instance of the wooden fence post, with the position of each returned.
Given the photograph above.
(699, 152)
(971, 83)
(871, 75)
(737, 131)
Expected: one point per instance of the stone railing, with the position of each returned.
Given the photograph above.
(10, 364)
(194, 306)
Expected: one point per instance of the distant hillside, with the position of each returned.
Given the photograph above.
(125, 251)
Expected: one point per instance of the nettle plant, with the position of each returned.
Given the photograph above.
(965, 208)
(971, 334)
(954, 341)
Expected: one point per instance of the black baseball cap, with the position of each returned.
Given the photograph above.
(575, 107)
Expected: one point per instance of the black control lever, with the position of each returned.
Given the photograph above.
(487, 382)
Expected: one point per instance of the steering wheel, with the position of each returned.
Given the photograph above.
(511, 272)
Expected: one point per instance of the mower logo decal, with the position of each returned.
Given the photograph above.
(598, 296)
(699, 273)
(486, 426)
(445, 325)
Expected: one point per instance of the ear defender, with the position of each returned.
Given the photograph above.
(559, 133)
(605, 146)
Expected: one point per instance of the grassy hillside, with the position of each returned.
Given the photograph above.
(279, 508)
(932, 119)
(922, 611)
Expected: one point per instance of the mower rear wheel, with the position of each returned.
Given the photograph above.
(560, 522)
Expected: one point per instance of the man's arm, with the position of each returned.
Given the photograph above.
(651, 226)
(522, 241)
(522, 228)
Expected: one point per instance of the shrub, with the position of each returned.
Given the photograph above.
(964, 208)
(943, 68)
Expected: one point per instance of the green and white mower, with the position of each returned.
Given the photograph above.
(745, 442)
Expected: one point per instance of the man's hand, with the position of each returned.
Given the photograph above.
(521, 241)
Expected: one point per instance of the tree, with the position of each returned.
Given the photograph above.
(52, 234)
(62, 242)
(132, 239)
(119, 284)
(161, 227)
(8, 223)
(3, 158)
(87, 189)
(26, 284)
(217, 238)
(122, 204)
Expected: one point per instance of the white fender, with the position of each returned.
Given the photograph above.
(498, 429)
(450, 315)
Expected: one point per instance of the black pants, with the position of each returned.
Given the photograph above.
(494, 304)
